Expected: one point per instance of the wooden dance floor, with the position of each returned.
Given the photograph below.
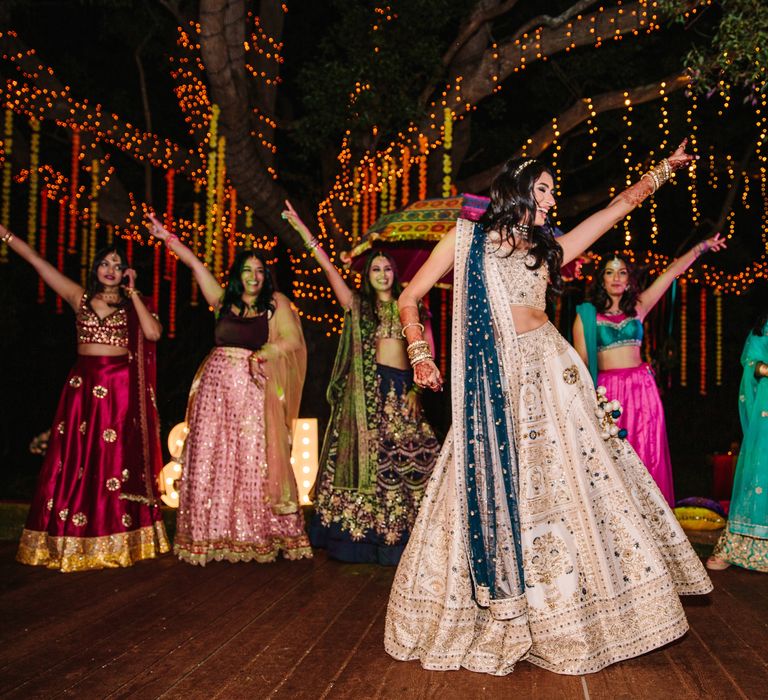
(313, 629)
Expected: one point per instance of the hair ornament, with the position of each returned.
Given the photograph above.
(615, 263)
(523, 166)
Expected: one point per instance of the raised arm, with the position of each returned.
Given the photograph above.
(338, 285)
(67, 289)
(650, 297)
(209, 285)
(588, 231)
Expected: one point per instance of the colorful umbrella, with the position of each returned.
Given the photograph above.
(410, 234)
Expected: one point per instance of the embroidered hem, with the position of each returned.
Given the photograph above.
(743, 550)
(83, 553)
(201, 553)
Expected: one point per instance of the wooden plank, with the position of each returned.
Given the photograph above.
(62, 618)
(98, 640)
(147, 648)
(252, 662)
(337, 648)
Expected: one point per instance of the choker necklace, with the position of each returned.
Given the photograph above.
(110, 298)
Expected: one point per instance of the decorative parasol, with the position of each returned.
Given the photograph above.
(409, 234)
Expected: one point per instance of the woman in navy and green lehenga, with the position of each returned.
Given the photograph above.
(745, 539)
(379, 450)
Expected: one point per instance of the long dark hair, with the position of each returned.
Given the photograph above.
(760, 323)
(602, 300)
(94, 286)
(513, 204)
(233, 294)
(367, 292)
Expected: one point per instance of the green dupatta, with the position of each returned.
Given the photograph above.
(353, 398)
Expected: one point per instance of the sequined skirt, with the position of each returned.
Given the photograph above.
(224, 510)
(643, 417)
(81, 516)
(603, 557)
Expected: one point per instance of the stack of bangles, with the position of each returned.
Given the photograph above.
(418, 351)
(659, 173)
(701, 248)
(170, 238)
(6, 237)
(311, 243)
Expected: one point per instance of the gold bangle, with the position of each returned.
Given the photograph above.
(7, 237)
(412, 323)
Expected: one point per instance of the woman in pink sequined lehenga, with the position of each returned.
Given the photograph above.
(95, 505)
(238, 499)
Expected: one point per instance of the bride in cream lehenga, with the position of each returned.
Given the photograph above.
(537, 538)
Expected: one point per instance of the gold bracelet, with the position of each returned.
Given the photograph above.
(311, 244)
(412, 323)
(7, 237)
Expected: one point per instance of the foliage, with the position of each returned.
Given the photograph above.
(370, 66)
(731, 52)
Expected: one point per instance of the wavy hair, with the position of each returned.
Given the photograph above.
(601, 300)
(233, 293)
(94, 286)
(760, 323)
(513, 203)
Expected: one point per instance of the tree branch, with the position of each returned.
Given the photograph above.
(576, 114)
(222, 36)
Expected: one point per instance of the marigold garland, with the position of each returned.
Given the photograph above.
(5, 202)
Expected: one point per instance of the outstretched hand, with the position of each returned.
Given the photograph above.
(156, 229)
(290, 215)
(714, 244)
(681, 159)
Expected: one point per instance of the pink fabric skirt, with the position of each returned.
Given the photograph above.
(224, 509)
(643, 417)
(86, 512)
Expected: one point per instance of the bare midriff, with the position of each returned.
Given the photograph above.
(528, 318)
(94, 349)
(624, 357)
(391, 352)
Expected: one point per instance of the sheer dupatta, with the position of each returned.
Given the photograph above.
(142, 487)
(485, 390)
(282, 397)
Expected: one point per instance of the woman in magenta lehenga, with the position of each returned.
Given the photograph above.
(238, 499)
(95, 504)
(608, 334)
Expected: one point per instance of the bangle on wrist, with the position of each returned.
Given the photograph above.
(170, 238)
(410, 325)
(7, 237)
(311, 243)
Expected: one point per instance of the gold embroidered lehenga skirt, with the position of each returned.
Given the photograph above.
(603, 558)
